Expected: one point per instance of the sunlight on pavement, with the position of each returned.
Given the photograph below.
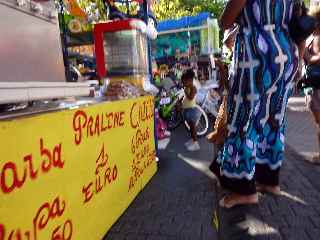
(261, 228)
(308, 154)
(293, 198)
(297, 104)
(163, 144)
(198, 165)
(296, 100)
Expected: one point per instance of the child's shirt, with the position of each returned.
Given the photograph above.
(189, 103)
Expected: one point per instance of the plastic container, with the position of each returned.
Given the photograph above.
(121, 50)
(125, 53)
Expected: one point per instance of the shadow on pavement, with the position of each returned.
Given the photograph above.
(178, 203)
(295, 215)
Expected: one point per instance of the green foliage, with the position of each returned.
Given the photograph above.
(172, 9)
(131, 8)
(307, 2)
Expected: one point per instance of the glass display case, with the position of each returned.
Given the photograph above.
(122, 51)
(125, 53)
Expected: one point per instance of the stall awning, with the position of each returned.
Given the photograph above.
(184, 22)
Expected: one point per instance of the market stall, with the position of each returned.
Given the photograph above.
(70, 174)
(31, 60)
(70, 167)
(78, 18)
(186, 42)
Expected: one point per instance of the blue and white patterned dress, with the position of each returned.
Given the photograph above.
(264, 64)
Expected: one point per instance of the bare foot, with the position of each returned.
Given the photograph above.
(234, 199)
(275, 190)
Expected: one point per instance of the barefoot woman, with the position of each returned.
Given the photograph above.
(264, 64)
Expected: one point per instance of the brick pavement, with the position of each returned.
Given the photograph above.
(301, 134)
(181, 200)
(295, 215)
(178, 203)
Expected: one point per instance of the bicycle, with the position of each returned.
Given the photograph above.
(209, 98)
(168, 104)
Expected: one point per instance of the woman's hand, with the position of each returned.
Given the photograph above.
(309, 55)
(219, 63)
(231, 12)
(315, 59)
(301, 48)
(223, 72)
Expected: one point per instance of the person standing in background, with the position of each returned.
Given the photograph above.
(312, 57)
(190, 112)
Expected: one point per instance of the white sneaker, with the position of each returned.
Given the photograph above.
(188, 143)
(194, 146)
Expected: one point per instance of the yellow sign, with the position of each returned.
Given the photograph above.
(71, 174)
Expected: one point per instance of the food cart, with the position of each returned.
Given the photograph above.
(70, 167)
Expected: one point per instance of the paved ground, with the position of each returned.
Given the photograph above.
(296, 214)
(293, 216)
(301, 136)
(178, 203)
(181, 200)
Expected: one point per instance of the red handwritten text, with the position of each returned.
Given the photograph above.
(139, 139)
(63, 232)
(104, 174)
(2, 232)
(138, 165)
(47, 213)
(12, 178)
(85, 125)
(141, 112)
(144, 155)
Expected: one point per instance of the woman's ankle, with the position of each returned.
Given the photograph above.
(274, 189)
(244, 198)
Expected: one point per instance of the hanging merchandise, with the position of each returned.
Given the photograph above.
(79, 16)
(81, 155)
(74, 9)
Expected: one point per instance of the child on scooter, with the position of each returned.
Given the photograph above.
(190, 112)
